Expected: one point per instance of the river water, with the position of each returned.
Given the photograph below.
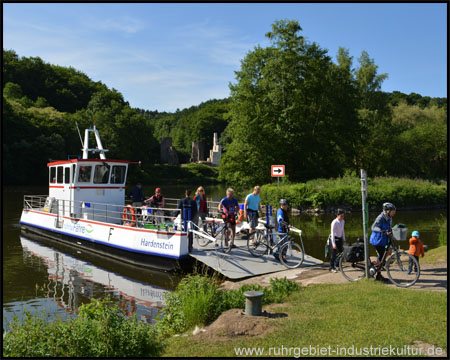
(40, 276)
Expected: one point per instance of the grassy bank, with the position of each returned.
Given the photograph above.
(435, 256)
(362, 314)
(199, 301)
(346, 192)
(443, 232)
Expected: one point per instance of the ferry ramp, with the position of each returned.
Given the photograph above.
(239, 263)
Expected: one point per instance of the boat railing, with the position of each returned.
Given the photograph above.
(34, 201)
(212, 206)
(143, 217)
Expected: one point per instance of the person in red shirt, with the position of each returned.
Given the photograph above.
(202, 205)
(415, 249)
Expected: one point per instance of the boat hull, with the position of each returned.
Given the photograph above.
(152, 249)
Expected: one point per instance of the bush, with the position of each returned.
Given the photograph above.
(198, 301)
(195, 301)
(346, 191)
(100, 330)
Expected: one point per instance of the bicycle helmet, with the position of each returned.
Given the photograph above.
(388, 206)
(284, 202)
(415, 233)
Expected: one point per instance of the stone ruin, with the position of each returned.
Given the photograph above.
(215, 155)
(168, 152)
(198, 151)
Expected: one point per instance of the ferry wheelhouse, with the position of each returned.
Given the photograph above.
(86, 207)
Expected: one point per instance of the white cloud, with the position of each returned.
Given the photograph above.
(219, 43)
(194, 64)
(125, 24)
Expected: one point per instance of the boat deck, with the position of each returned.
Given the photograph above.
(240, 263)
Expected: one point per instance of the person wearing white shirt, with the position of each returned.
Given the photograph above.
(337, 238)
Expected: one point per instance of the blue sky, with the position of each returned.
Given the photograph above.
(168, 56)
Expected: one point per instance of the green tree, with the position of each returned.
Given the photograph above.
(290, 105)
(12, 91)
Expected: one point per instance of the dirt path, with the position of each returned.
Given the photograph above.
(432, 277)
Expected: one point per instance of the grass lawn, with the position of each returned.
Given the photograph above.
(435, 256)
(362, 314)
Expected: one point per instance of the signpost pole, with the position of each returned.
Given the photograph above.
(365, 212)
(278, 181)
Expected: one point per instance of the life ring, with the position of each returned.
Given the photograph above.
(129, 216)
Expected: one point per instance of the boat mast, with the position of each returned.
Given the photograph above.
(99, 147)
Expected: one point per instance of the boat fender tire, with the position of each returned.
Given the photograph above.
(129, 216)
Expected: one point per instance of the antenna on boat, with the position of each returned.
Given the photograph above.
(99, 147)
(79, 134)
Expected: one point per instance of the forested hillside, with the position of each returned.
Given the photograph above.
(289, 104)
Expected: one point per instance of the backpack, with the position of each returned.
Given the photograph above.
(354, 252)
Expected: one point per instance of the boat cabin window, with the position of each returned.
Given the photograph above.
(67, 175)
(84, 174)
(59, 174)
(73, 172)
(118, 174)
(101, 174)
(52, 179)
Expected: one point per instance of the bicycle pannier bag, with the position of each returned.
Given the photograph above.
(354, 252)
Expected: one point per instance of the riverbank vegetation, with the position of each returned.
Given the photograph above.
(307, 317)
(199, 301)
(291, 103)
(100, 330)
(356, 314)
(346, 192)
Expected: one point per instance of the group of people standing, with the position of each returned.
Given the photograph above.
(229, 208)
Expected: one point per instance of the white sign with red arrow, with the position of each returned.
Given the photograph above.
(277, 170)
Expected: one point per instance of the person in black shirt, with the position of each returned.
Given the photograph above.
(136, 195)
(188, 203)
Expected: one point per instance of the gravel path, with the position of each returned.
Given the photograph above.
(432, 277)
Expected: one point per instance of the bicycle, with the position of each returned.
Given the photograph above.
(221, 233)
(290, 253)
(397, 266)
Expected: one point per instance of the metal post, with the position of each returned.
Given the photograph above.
(253, 304)
(278, 181)
(365, 213)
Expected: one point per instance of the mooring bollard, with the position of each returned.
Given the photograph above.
(253, 302)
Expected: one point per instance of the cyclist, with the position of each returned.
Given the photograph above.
(381, 229)
(283, 221)
(229, 207)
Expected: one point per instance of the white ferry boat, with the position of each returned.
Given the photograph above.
(85, 207)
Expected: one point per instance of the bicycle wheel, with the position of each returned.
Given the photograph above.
(291, 255)
(403, 269)
(223, 241)
(203, 241)
(257, 246)
(352, 271)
